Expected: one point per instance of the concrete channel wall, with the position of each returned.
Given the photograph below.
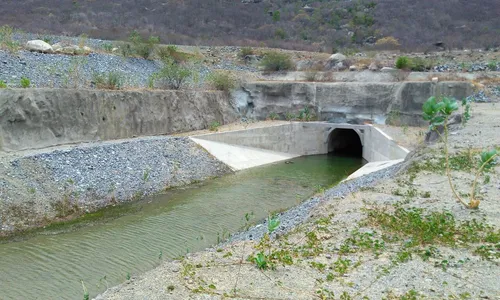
(340, 102)
(309, 138)
(38, 118)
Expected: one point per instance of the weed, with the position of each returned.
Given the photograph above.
(341, 266)
(25, 82)
(140, 47)
(261, 261)
(127, 276)
(6, 41)
(145, 175)
(3, 85)
(108, 47)
(403, 256)
(273, 116)
(403, 63)
(82, 40)
(492, 65)
(275, 62)
(311, 76)
(108, 81)
(170, 288)
(319, 266)
(330, 277)
(305, 114)
(86, 295)
(362, 241)
(290, 116)
(437, 114)
(214, 126)
(222, 80)
(245, 51)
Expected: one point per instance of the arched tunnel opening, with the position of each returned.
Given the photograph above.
(345, 142)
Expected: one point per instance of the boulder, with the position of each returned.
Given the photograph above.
(334, 61)
(304, 65)
(39, 46)
(337, 57)
(353, 68)
(373, 67)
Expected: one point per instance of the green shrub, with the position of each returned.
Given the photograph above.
(403, 62)
(280, 34)
(3, 85)
(108, 47)
(214, 126)
(492, 65)
(222, 80)
(420, 64)
(276, 16)
(25, 82)
(137, 46)
(107, 81)
(172, 75)
(275, 61)
(245, 51)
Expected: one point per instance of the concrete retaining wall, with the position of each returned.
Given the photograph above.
(353, 102)
(37, 118)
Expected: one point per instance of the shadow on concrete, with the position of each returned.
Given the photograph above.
(345, 142)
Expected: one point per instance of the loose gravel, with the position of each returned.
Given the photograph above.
(96, 175)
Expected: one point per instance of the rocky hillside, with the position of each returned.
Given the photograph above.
(294, 24)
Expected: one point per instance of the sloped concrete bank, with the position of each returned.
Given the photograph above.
(38, 118)
(353, 102)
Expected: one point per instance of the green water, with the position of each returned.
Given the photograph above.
(52, 266)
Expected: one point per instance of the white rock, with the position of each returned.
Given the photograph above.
(337, 57)
(435, 79)
(353, 68)
(39, 45)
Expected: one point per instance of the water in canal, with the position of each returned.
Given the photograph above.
(52, 266)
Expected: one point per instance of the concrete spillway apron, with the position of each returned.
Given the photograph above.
(241, 157)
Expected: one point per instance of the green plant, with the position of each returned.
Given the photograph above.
(305, 114)
(403, 63)
(275, 62)
(25, 82)
(86, 295)
(492, 65)
(221, 80)
(273, 116)
(3, 85)
(108, 81)
(280, 33)
(172, 75)
(311, 76)
(245, 51)
(290, 116)
(108, 47)
(6, 41)
(341, 266)
(214, 126)
(138, 46)
(437, 114)
(276, 16)
(420, 64)
(261, 261)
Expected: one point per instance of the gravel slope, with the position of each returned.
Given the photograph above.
(34, 187)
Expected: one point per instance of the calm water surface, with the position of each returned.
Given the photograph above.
(52, 266)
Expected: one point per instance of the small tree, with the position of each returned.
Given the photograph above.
(172, 75)
(437, 113)
(222, 80)
(403, 63)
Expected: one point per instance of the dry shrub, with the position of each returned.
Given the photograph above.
(387, 43)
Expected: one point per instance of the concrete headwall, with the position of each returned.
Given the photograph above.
(37, 118)
(345, 101)
(310, 138)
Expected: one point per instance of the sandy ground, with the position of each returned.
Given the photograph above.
(343, 251)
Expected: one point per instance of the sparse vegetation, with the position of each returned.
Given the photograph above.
(214, 126)
(245, 51)
(137, 46)
(3, 85)
(275, 62)
(107, 81)
(6, 41)
(25, 82)
(222, 80)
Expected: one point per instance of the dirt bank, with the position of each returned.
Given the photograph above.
(404, 238)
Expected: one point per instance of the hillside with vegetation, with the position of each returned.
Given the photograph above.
(316, 25)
